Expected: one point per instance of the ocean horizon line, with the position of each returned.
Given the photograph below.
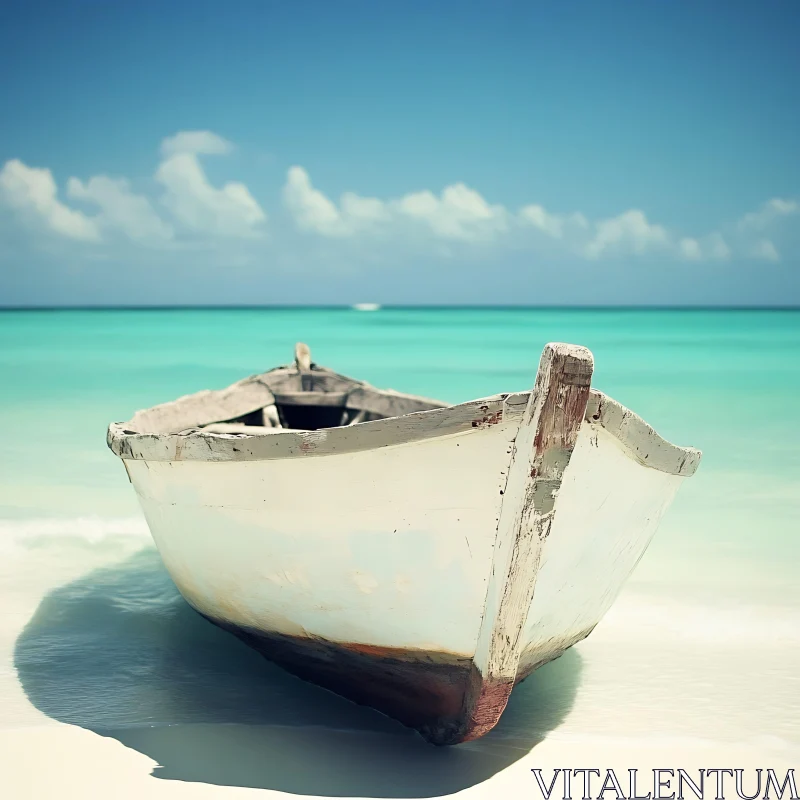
(395, 307)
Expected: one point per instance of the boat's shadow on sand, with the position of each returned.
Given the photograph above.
(120, 653)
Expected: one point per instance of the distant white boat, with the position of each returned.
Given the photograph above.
(413, 556)
(367, 306)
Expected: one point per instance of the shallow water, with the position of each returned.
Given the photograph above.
(704, 641)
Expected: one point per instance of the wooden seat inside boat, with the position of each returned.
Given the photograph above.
(299, 397)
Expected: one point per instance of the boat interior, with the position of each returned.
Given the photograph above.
(300, 397)
(304, 396)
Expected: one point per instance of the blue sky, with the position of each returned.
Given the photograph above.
(642, 152)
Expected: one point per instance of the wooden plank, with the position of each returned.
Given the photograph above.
(638, 439)
(302, 360)
(269, 415)
(202, 408)
(203, 446)
(250, 430)
(318, 380)
(302, 357)
(387, 403)
(545, 441)
(325, 399)
(360, 416)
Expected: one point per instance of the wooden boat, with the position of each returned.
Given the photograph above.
(413, 556)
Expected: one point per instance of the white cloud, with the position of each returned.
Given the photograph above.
(120, 209)
(758, 229)
(363, 209)
(770, 212)
(627, 233)
(189, 195)
(33, 191)
(764, 250)
(548, 223)
(717, 247)
(201, 207)
(461, 214)
(446, 222)
(458, 213)
(690, 249)
(554, 225)
(197, 142)
(311, 209)
(710, 248)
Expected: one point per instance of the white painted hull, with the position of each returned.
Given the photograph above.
(383, 571)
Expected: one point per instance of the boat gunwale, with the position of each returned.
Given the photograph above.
(638, 439)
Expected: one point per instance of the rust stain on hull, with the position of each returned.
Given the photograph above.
(441, 695)
(419, 688)
(481, 708)
(488, 418)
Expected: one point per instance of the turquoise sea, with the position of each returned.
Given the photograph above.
(704, 642)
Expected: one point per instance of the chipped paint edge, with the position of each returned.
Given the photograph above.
(637, 439)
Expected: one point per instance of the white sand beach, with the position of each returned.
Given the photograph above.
(112, 687)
